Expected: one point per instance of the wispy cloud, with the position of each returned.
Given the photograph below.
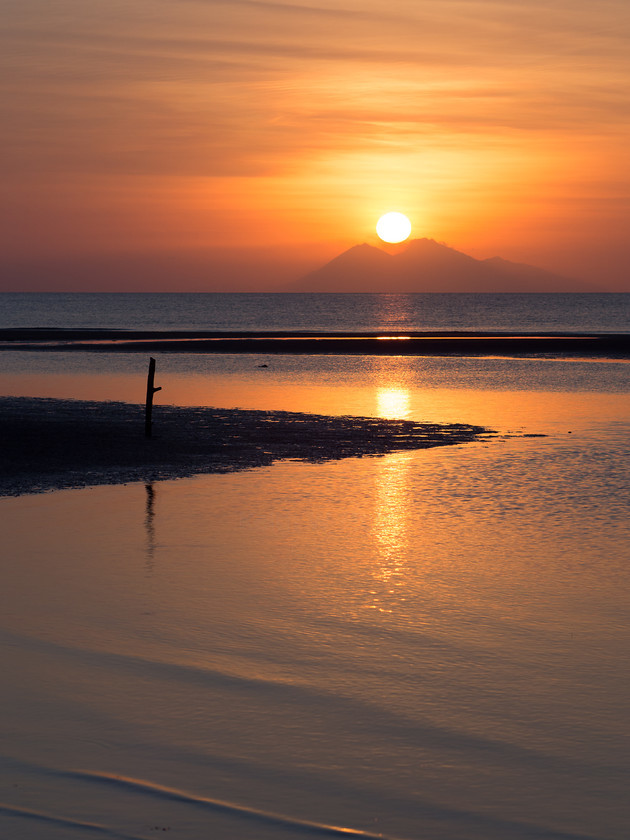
(249, 89)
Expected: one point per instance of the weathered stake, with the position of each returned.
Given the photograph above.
(150, 391)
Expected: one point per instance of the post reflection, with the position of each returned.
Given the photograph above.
(149, 526)
(390, 530)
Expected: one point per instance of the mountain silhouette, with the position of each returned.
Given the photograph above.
(425, 265)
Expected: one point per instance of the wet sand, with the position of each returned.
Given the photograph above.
(48, 444)
(314, 343)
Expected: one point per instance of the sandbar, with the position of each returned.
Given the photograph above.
(588, 345)
(48, 444)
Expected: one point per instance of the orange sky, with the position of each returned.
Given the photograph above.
(197, 144)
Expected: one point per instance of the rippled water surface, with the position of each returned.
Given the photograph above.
(326, 312)
(422, 645)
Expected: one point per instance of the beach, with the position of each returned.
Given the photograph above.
(425, 644)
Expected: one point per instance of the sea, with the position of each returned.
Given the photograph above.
(426, 645)
(570, 313)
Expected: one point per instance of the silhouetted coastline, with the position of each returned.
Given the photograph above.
(48, 444)
(607, 345)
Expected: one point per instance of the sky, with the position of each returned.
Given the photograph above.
(193, 145)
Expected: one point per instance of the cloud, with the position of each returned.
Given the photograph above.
(309, 100)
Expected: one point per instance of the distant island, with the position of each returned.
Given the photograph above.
(424, 265)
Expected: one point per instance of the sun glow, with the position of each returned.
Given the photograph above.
(393, 227)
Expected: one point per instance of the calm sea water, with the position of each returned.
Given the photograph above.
(335, 313)
(424, 646)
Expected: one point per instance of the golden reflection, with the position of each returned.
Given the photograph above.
(393, 403)
(390, 529)
(396, 312)
(428, 400)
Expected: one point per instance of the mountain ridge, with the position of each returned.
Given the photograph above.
(425, 265)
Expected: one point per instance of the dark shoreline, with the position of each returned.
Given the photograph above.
(587, 345)
(50, 444)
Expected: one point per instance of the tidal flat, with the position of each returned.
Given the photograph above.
(48, 444)
(426, 643)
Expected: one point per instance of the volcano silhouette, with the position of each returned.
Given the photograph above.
(424, 265)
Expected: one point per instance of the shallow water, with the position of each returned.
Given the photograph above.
(531, 395)
(424, 645)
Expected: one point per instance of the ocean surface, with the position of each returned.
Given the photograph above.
(334, 313)
(422, 646)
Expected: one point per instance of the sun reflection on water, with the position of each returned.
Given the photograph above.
(393, 403)
(390, 517)
(390, 531)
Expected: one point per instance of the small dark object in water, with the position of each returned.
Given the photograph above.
(260, 366)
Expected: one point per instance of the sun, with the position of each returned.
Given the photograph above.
(393, 227)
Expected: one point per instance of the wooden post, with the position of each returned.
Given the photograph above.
(150, 391)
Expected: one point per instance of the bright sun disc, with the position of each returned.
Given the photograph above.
(393, 227)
